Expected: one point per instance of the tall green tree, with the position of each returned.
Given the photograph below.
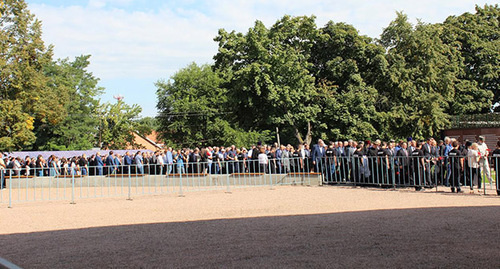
(23, 83)
(268, 79)
(420, 81)
(193, 108)
(477, 38)
(118, 122)
(346, 66)
(77, 131)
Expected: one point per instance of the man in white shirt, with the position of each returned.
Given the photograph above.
(483, 161)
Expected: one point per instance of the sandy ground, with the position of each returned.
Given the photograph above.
(288, 227)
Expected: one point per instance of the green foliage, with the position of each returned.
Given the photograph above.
(22, 78)
(477, 38)
(268, 79)
(346, 65)
(192, 110)
(15, 126)
(329, 82)
(117, 125)
(47, 104)
(77, 131)
(420, 79)
(150, 123)
(333, 83)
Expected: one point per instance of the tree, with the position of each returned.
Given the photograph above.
(117, 124)
(23, 83)
(477, 38)
(346, 66)
(77, 131)
(193, 110)
(267, 75)
(420, 80)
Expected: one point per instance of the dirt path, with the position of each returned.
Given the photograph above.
(285, 227)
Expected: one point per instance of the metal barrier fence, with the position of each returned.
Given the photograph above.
(411, 171)
(72, 183)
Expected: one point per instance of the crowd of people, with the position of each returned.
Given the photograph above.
(405, 163)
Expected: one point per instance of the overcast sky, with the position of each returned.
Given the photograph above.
(134, 43)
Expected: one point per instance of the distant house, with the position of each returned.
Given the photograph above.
(470, 127)
(150, 142)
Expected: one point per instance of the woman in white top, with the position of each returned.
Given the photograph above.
(473, 161)
(263, 160)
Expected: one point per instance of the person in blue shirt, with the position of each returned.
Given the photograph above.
(447, 149)
(110, 164)
(169, 160)
(139, 163)
(99, 163)
(127, 162)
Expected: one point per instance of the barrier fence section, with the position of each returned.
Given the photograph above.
(411, 171)
(74, 182)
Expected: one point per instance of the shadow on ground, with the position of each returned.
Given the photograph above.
(458, 237)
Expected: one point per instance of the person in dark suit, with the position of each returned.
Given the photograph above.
(99, 163)
(371, 154)
(318, 155)
(127, 162)
(456, 161)
(495, 159)
(110, 164)
(417, 166)
(427, 149)
(403, 161)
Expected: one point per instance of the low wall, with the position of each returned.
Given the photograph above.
(206, 181)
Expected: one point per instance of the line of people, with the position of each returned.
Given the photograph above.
(406, 163)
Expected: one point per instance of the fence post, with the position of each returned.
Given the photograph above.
(228, 189)
(180, 184)
(270, 176)
(10, 188)
(393, 172)
(129, 185)
(72, 188)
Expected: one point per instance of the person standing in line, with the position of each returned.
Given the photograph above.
(329, 160)
(279, 156)
(403, 162)
(483, 161)
(127, 162)
(84, 165)
(285, 158)
(495, 158)
(139, 163)
(473, 157)
(169, 160)
(160, 162)
(417, 166)
(456, 161)
(2, 172)
(263, 160)
(110, 163)
(427, 149)
(318, 156)
(99, 163)
(308, 166)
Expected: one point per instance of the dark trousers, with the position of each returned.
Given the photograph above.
(455, 179)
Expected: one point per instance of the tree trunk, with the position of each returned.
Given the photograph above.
(308, 139)
(309, 133)
(298, 135)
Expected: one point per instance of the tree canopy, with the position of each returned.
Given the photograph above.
(333, 83)
(48, 104)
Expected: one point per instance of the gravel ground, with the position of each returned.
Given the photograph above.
(289, 227)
